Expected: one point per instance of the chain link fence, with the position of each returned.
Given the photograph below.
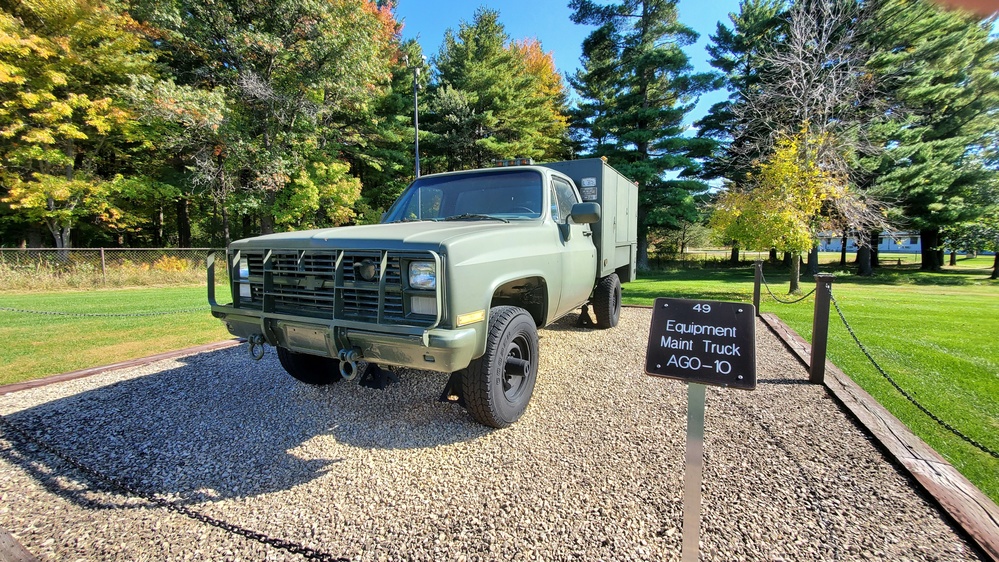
(82, 268)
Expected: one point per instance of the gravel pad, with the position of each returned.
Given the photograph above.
(593, 470)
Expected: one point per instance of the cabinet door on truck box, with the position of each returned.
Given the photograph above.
(579, 256)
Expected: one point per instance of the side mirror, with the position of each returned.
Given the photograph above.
(585, 213)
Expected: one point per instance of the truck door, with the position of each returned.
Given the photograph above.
(579, 255)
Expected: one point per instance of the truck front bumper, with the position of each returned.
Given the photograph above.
(435, 349)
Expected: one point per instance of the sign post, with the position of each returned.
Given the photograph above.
(702, 343)
(693, 466)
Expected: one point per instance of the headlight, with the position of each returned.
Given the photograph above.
(244, 268)
(422, 275)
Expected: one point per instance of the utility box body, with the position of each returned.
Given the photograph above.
(616, 233)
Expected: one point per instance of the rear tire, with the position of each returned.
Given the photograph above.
(495, 396)
(607, 301)
(310, 369)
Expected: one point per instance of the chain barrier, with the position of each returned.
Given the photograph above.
(101, 314)
(119, 485)
(764, 279)
(901, 391)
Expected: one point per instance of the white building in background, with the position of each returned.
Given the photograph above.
(889, 242)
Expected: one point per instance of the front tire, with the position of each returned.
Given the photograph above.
(607, 301)
(498, 385)
(310, 369)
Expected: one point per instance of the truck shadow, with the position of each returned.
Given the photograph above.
(221, 425)
(568, 323)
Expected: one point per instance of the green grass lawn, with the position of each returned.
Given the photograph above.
(38, 345)
(936, 334)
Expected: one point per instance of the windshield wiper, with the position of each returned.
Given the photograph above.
(474, 217)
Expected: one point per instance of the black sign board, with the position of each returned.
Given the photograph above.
(706, 342)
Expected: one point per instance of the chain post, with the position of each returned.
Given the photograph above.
(820, 327)
(756, 286)
(104, 269)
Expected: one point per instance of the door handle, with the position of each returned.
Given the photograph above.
(587, 233)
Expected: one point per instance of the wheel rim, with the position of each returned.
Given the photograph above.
(514, 385)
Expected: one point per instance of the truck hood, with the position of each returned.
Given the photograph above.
(424, 235)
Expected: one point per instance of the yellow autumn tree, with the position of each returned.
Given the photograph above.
(59, 61)
(780, 206)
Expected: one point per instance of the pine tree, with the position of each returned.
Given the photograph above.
(939, 71)
(494, 99)
(738, 52)
(643, 85)
(596, 83)
(385, 163)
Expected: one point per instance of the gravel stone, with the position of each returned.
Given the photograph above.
(592, 471)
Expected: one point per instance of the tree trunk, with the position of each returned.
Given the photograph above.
(786, 262)
(63, 230)
(842, 250)
(267, 216)
(928, 249)
(734, 256)
(864, 266)
(953, 258)
(34, 237)
(773, 255)
(795, 286)
(53, 226)
(995, 266)
(813, 261)
(875, 253)
(642, 253)
(225, 227)
(158, 234)
(60, 235)
(267, 223)
(247, 226)
(183, 223)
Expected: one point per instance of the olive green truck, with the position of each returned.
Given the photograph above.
(457, 277)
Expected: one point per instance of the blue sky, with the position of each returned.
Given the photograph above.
(548, 21)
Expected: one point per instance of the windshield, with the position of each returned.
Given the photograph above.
(502, 195)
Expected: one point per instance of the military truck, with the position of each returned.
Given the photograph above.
(457, 277)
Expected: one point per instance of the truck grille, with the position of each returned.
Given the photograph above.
(363, 286)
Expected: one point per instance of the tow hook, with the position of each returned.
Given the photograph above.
(348, 363)
(256, 342)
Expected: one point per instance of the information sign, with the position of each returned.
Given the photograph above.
(706, 342)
